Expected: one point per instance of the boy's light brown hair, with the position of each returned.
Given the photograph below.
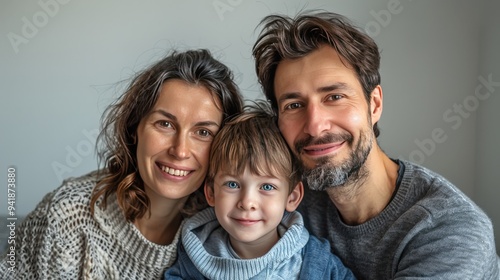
(253, 140)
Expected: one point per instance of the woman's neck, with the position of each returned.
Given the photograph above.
(161, 226)
(159, 229)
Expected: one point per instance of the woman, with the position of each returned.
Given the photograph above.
(122, 221)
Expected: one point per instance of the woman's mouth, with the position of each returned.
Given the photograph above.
(174, 172)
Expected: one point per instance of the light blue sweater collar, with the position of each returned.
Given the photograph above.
(203, 230)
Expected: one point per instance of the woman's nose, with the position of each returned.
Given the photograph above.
(180, 147)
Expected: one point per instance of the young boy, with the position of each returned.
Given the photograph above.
(252, 230)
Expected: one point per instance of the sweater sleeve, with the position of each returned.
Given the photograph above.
(40, 252)
(456, 245)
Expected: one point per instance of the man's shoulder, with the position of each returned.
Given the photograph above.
(442, 203)
(433, 189)
(419, 175)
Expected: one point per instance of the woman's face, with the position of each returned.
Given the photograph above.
(174, 140)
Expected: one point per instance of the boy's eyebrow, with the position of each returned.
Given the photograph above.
(221, 173)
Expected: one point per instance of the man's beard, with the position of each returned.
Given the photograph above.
(328, 174)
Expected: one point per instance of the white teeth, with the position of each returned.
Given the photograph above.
(175, 172)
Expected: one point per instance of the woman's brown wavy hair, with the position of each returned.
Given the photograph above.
(116, 143)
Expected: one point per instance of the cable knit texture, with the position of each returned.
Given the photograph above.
(60, 239)
(206, 253)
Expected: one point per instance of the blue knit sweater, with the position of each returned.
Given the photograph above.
(205, 253)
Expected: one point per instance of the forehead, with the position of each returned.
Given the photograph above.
(182, 98)
(253, 173)
(317, 69)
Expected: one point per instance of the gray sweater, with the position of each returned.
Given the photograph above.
(430, 229)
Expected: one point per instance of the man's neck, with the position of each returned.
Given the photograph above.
(360, 201)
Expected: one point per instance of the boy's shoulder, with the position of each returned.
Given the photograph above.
(320, 263)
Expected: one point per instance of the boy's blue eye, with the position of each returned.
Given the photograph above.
(267, 187)
(232, 185)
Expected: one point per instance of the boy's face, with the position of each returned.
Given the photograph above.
(250, 207)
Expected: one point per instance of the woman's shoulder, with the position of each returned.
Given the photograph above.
(75, 187)
(77, 190)
(71, 197)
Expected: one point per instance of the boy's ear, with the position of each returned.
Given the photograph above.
(209, 194)
(295, 197)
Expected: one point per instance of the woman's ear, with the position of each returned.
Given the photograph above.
(295, 197)
(209, 194)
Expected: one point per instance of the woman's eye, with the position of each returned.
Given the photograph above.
(232, 185)
(267, 187)
(165, 124)
(205, 133)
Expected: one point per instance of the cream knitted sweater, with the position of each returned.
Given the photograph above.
(60, 239)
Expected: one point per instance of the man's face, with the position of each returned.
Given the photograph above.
(324, 117)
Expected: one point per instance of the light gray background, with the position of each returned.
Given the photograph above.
(62, 62)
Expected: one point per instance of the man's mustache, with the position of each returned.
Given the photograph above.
(325, 139)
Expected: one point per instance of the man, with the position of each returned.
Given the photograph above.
(384, 218)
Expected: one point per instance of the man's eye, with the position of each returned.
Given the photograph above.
(335, 97)
(267, 187)
(292, 106)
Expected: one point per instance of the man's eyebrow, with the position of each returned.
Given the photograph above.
(288, 95)
(335, 86)
(174, 118)
(322, 89)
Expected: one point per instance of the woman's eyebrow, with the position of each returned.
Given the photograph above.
(174, 118)
(164, 113)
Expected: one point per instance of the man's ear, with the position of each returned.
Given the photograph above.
(209, 194)
(295, 197)
(376, 104)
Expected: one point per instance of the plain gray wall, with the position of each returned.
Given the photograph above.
(487, 192)
(63, 61)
